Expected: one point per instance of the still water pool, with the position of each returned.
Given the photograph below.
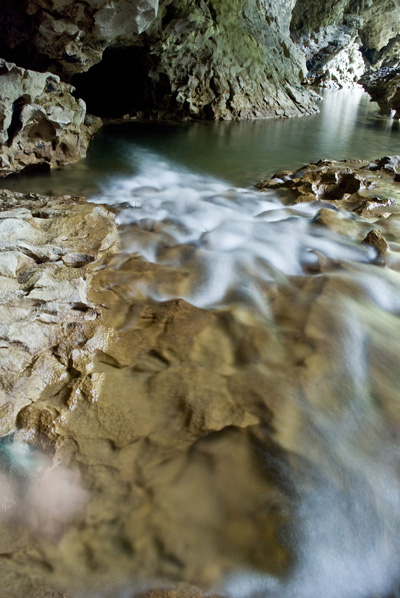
(240, 153)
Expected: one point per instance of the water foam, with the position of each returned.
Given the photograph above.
(240, 240)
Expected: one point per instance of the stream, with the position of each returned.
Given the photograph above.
(285, 482)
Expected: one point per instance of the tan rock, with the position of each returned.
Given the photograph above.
(42, 300)
(376, 239)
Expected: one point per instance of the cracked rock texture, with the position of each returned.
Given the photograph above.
(369, 189)
(47, 250)
(214, 60)
(333, 56)
(208, 60)
(69, 36)
(41, 123)
(383, 85)
(204, 59)
(333, 35)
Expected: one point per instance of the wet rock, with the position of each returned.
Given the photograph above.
(43, 301)
(41, 123)
(383, 85)
(182, 591)
(351, 185)
(336, 221)
(375, 238)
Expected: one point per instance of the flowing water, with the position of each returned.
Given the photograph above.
(306, 327)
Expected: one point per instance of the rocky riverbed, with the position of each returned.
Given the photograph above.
(147, 442)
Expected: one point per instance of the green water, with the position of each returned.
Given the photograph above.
(241, 153)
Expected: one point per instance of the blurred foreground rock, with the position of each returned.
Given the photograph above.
(173, 439)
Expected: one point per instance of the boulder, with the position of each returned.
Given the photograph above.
(351, 184)
(383, 85)
(41, 123)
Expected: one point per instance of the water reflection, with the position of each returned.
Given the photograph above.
(242, 153)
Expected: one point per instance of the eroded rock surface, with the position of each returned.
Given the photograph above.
(383, 85)
(47, 249)
(369, 189)
(333, 56)
(41, 123)
(204, 60)
(339, 37)
(176, 441)
(69, 37)
(214, 60)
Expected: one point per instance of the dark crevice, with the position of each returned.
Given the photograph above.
(117, 85)
(16, 121)
(17, 33)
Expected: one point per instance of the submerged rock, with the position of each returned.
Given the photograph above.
(41, 124)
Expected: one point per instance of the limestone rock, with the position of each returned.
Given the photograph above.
(383, 85)
(375, 238)
(333, 56)
(182, 591)
(69, 37)
(202, 60)
(351, 185)
(41, 123)
(43, 301)
(333, 35)
(222, 61)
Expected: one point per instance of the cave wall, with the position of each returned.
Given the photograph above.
(204, 59)
(352, 41)
(218, 60)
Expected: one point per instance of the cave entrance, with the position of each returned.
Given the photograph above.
(117, 85)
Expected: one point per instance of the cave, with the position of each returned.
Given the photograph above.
(117, 85)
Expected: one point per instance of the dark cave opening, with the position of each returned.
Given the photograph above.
(117, 85)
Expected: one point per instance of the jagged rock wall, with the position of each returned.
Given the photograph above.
(383, 85)
(214, 60)
(333, 56)
(202, 59)
(343, 38)
(206, 59)
(41, 123)
(68, 36)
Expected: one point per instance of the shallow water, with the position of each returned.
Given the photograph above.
(303, 339)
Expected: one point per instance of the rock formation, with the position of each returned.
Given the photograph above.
(46, 254)
(383, 85)
(207, 60)
(352, 185)
(338, 37)
(166, 431)
(42, 124)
